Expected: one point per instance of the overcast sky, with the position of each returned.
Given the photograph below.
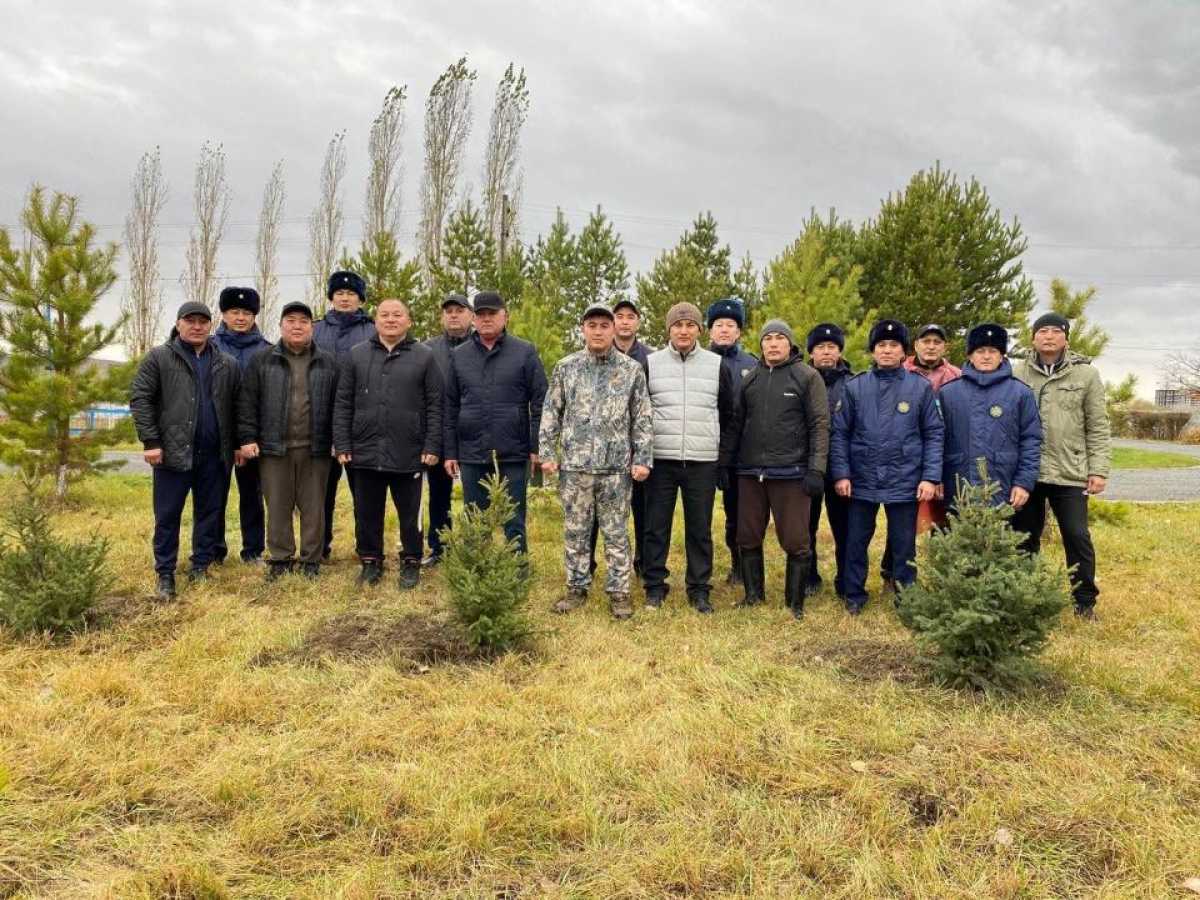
(1081, 119)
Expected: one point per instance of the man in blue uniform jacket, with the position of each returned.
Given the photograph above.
(991, 416)
(886, 449)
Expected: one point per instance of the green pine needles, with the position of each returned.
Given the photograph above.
(487, 576)
(981, 604)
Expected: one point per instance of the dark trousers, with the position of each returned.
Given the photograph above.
(516, 475)
(1070, 507)
(441, 487)
(370, 502)
(295, 481)
(331, 489)
(838, 509)
(697, 481)
(205, 481)
(781, 498)
(251, 516)
(901, 540)
(729, 501)
(637, 503)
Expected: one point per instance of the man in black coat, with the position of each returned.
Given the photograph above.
(495, 388)
(238, 335)
(285, 416)
(456, 328)
(387, 427)
(182, 402)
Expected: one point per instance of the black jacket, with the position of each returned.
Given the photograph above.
(163, 402)
(835, 385)
(442, 346)
(640, 354)
(264, 403)
(389, 406)
(493, 401)
(338, 332)
(781, 421)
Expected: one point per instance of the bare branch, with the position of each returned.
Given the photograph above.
(386, 168)
(266, 251)
(325, 223)
(501, 170)
(210, 204)
(143, 301)
(447, 125)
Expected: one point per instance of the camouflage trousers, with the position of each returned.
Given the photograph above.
(603, 499)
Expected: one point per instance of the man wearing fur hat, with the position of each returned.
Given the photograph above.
(344, 326)
(886, 449)
(1076, 451)
(691, 396)
(825, 345)
(990, 417)
(779, 446)
(238, 335)
(182, 403)
(596, 433)
(726, 319)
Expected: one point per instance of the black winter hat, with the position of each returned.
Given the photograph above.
(826, 331)
(989, 334)
(1052, 319)
(295, 306)
(888, 330)
(239, 298)
(347, 281)
(729, 308)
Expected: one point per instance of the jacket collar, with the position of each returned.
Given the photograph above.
(404, 344)
(696, 349)
(479, 341)
(726, 349)
(986, 379)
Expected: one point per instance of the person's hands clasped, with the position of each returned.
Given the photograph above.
(926, 490)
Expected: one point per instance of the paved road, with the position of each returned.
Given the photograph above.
(1143, 485)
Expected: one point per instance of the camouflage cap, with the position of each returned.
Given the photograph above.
(596, 309)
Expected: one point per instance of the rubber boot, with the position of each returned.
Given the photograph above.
(735, 567)
(752, 576)
(795, 584)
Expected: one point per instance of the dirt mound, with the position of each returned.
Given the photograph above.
(871, 659)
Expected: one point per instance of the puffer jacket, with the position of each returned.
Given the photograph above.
(493, 401)
(692, 401)
(993, 417)
(338, 333)
(887, 436)
(597, 418)
(1076, 440)
(780, 422)
(164, 405)
(264, 402)
(241, 346)
(389, 406)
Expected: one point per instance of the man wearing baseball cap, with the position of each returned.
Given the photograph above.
(596, 434)
(182, 403)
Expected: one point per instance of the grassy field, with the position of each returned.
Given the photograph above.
(1136, 458)
(308, 742)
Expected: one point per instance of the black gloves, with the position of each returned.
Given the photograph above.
(814, 483)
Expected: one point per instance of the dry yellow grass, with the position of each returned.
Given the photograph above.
(179, 751)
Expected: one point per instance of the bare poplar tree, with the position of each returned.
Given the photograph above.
(266, 251)
(143, 300)
(386, 171)
(501, 170)
(210, 204)
(325, 223)
(447, 125)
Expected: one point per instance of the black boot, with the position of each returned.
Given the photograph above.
(795, 583)
(735, 566)
(752, 575)
(165, 590)
(410, 574)
(372, 573)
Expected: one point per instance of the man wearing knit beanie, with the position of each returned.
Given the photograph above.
(1076, 450)
(691, 397)
(779, 446)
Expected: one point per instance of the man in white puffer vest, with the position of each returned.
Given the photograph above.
(691, 395)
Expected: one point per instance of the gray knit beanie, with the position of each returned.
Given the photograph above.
(776, 326)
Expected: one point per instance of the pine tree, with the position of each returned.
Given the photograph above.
(981, 604)
(538, 322)
(487, 578)
(748, 285)
(468, 254)
(388, 276)
(50, 288)
(939, 252)
(601, 271)
(713, 259)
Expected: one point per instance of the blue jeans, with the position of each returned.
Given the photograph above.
(901, 540)
(516, 476)
(206, 481)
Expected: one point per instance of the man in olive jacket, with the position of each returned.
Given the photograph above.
(182, 403)
(1076, 451)
(285, 416)
(387, 427)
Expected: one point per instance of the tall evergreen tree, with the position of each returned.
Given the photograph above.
(939, 252)
(748, 285)
(48, 288)
(601, 271)
(468, 253)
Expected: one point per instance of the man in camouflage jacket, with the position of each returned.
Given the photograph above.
(596, 432)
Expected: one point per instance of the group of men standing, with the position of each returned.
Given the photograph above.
(626, 429)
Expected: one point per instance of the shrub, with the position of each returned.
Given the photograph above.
(1110, 512)
(488, 578)
(1156, 424)
(981, 604)
(47, 584)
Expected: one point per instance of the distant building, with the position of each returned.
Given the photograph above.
(98, 417)
(1177, 398)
